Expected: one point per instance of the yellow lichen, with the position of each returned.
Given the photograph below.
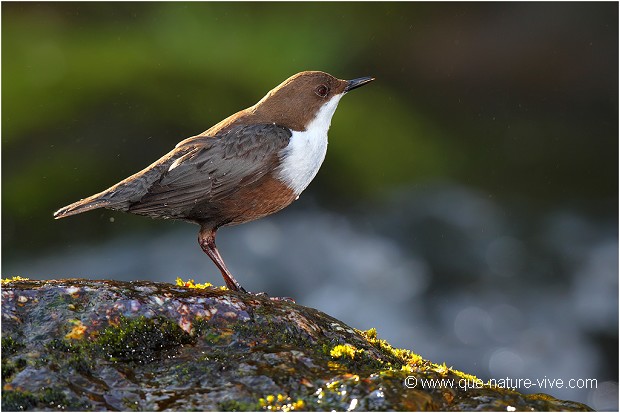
(13, 279)
(332, 384)
(408, 357)
(343, 351)
(371, 334)
(280, 402)
(441, 369)
(192, 284)
(408, 368)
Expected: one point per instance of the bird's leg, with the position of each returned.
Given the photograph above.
(206, 239)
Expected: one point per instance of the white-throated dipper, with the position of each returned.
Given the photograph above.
(249, 165)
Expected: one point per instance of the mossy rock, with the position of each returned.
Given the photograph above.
(105, 345)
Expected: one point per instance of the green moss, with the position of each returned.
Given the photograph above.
(200, 326)
(541, 396)
(238, 406)
(65, 346)
(10, 367)
(273, 334)
(15, 401)
(10, 346)
(140, 340)
(49, 398)
(53, 398)
(214, 336)
(80, 364)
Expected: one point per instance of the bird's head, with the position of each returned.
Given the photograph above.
(305, 97)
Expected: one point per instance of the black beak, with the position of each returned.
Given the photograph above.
(355, 83)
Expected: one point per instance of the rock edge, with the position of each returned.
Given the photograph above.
(78, 344)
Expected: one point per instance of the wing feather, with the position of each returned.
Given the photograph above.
(214, 169)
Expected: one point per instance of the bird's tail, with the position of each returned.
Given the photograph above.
(83, 205)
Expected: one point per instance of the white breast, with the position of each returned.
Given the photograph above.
(302, 158)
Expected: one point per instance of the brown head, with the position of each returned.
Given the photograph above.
(297, 100)
(293, 103)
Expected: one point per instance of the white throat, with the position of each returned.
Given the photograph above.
(301, 159)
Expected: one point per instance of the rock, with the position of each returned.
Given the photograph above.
(104, 345)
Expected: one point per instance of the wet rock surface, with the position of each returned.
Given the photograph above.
(105, 345)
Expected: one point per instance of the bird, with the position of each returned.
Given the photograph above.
(250, 165)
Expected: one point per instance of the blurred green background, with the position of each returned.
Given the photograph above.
(518, 100)
(488, 145)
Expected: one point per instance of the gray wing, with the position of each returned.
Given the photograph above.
(214, 169)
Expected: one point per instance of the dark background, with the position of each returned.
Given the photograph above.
(467, 207)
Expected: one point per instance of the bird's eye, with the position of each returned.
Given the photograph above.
(322, 91)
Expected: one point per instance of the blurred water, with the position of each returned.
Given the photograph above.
(444, 271)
